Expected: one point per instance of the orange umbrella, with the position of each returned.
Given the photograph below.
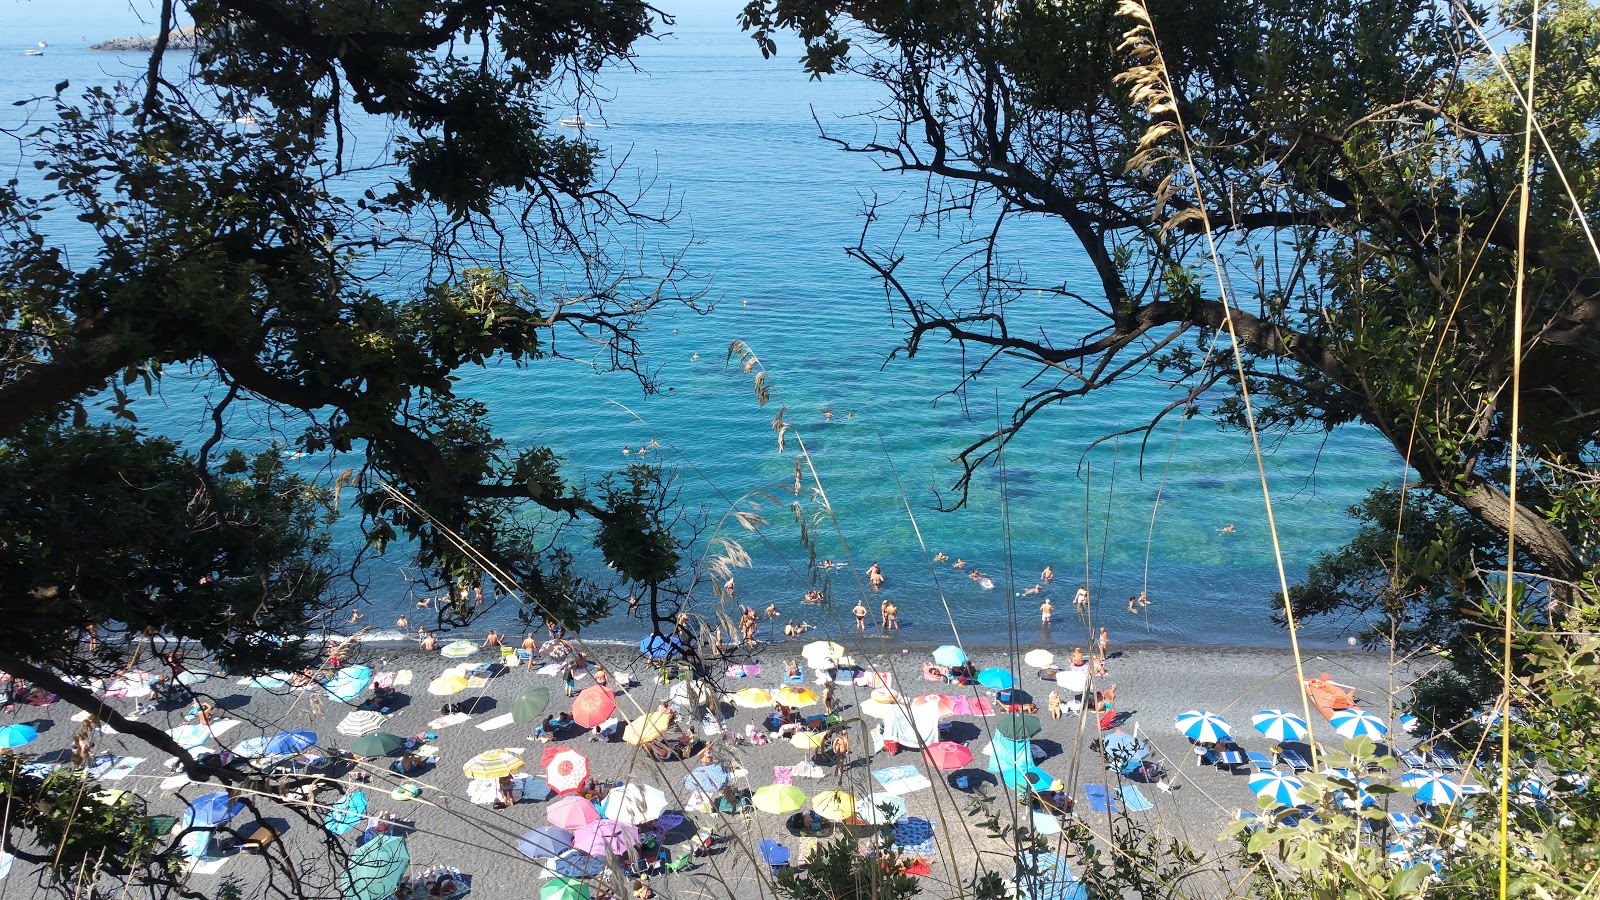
(946, 705)
(593, 706)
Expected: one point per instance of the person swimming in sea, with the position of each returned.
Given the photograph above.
(959, 563)
(939, 557)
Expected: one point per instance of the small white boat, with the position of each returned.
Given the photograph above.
(574, 121)
(33, 53)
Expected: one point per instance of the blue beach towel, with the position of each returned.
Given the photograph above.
(1134, 800)
(1100, 799)
(346, 813)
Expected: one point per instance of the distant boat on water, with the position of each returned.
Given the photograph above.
(574, 121)
(39, 52)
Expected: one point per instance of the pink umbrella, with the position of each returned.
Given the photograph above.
(605, 837)
(565, 769)
(571, 812)
(948, 755)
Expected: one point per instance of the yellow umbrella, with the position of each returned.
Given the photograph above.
(806, 740)
(779, 799)
(647, 728)
(834, 805)
(492, 764)
(796, 697)
(445, 685)
(753, 698)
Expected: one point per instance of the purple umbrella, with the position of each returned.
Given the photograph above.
(604, 836)
(545, 842)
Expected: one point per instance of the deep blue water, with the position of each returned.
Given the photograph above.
(766, 210)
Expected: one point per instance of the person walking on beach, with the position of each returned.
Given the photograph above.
(1045, 609)
(568, 680)
(827, 698)
(860, 613)
(840, 748)
(1081, 599)
(1105, 641)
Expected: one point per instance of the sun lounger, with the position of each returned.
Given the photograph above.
(1259, 761)
(1413, 758)
(1445, 758)
(1227, 759)
(1294, 759)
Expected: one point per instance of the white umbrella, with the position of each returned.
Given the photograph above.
(634, 804)
(362, 721)
(1074, 680)
(1040, 658)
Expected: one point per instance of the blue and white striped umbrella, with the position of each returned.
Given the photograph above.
(1432, 787)
(1279, 787)
(1203, 726)
(1280, 725)
(1354, 723)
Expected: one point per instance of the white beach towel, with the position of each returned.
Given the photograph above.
(496, 722)
(174, 782)
(447, 721)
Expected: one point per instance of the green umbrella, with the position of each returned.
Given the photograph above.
(380, 744)
(527, 709)
(376, 868)
(563, 888)
(1017, 726)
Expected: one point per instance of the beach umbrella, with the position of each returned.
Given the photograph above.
(821, 652)
(1529, 789)
(593, 705)
(17, 735)
(1074, 680)
(1276, 786)
(835, 806)
(376, 868)
(657, 647)
(553, 649)
(571, 812)
(806, 740)
(252, 748)
(1014, 697)
(362, 721)
(873, 811)
(753, 698)
(380, 744)
(875, 708)
(774, 853)
(346, 812)
(1028, 779)
(778, 799)
(945, 705)
(492, 764)
(795, 697)
(634, 804)
(1018, 726)
(605, 836)
(290, 742)
(1432, 788)
(1040, 657)
(446, 685)
(190, 736)
(1203, 726)
(997, 678)
(530, 705)
(706, 779)
(1122, 747)
(577, 864)
(949, 655)
(212, 809)
(647, 727)
(1353, 723)
(565, 769)
(564, 888)
(948, 755)
(1280, 725)
(348, 683)
(458, 649)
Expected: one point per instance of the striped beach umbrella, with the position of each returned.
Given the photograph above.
(1354, 723)
(1203, 726)
(1280, 725)
(997, 678)
(1278, 787)
(458, 649)
(492, 764)
(1431, 787)
(362, 721)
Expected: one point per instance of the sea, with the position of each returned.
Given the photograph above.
(764, 209)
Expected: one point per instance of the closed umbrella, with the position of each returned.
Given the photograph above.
(593, 705)
(1203, 726)
(948, 755)
(458, 649)
(530, 705)
(835, 806)
(492, 764)
(1280, 725)
(564, 888)
(706, 779)
(1040, 658)
(1278, 787)
(1354, 723)
(380, 744)
(778, 799)
(881, 808)
(376, 868)
(1431, 787)
(796, 697)
(634, 804)
(544, 842)
(571, 812)
(657, 647)
(647, 727)
(446, 685)
(565, 769)
(17, 735)
(1018, 726)
(362, 721)
(997, 678)
(753, 698)
(950, 655)
(605, 836)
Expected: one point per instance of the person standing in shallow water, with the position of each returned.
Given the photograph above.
(1045, 609)
(1081, 599)
(860, 612)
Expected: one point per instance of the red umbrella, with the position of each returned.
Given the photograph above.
(948, 755)
(564, 769)
(593, 706)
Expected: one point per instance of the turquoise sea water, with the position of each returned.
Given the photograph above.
(766, 210)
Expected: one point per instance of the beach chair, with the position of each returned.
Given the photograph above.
(680, 862)
(1413, 758)
(1294, 760)
(1204, 756)
(799, 676)
(1445, 758)
(1259, 761)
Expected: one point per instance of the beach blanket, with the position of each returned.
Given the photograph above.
(496, 722)
(447, 721)
(346, 813)
(101, 765)
(403, 678)
(1045, 824)
(123, 768)
(971, 706)
(1100, 799)
(174, 782)
(477, 681)
(914, 837)
(1134, 800)
(901, 779)
(550, 669)
(5, 863)
(207, 866)
(783, 774)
